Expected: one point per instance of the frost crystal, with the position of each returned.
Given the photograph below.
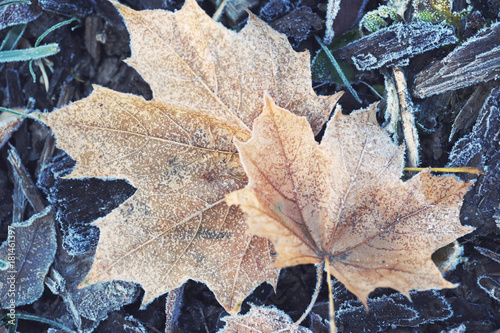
(481, 149)
(389, 311)
(274, 9)
(396, 43)
(376, 19)
(475, 61)
(18, 13)
(331, 13)
(399, 6)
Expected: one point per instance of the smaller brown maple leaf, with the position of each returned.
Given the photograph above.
(343, 202)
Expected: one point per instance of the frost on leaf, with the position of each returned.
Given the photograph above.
(298, 24)
(481, 149)
(262, 320)
(399, 6)
(208, 84)
(396, 43)
(18, 13)
(343, 200)
(477, 60)
(32, 246)
(89, 306)
(379, 18)
(389, 311)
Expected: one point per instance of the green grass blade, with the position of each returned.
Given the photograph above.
(42, 36)
(43, 320)
(14, 2)
(12, 37)
(20, 114)
(338, 69)
(57, 26)
(375, 92)
(29, 54)
(12, 328)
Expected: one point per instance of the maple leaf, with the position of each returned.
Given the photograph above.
(177, 150)
(342, 202)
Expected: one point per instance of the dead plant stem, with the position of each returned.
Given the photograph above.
(219, 10)
(406, 112)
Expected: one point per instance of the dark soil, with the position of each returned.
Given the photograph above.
(92, 52)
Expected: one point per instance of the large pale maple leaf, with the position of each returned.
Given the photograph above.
(208, 85)
(342, 202)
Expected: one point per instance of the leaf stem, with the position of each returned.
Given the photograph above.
(319, 279)
(331, 308)
(459, 169)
